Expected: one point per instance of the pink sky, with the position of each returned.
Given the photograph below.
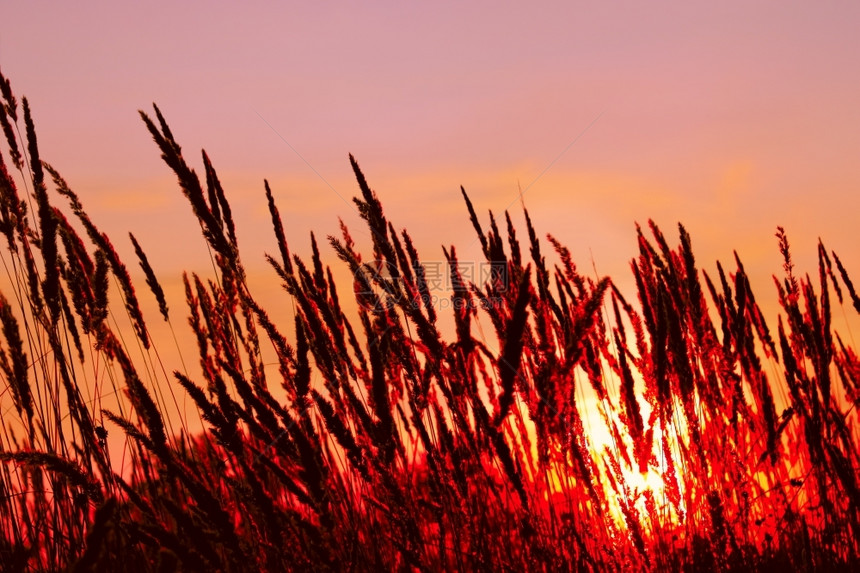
(730, 117)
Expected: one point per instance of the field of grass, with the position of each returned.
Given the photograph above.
(384, 442)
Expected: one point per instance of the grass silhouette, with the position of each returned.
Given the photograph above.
(383, 443)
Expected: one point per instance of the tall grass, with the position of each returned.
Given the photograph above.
(384, 443)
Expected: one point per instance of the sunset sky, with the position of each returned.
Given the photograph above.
(730, 117)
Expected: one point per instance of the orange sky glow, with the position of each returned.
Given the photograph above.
(732, 118)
